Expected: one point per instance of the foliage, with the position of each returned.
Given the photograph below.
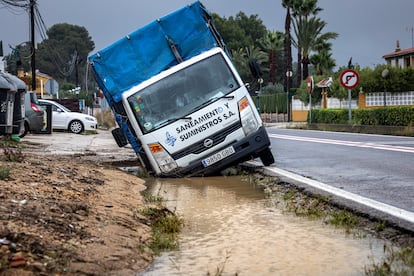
(19, 58)
(241, 63)
(302, 91)
(371, 80)
(242, 35)
(309, 35)
(323, 62)
(240, 31)
(273, 88)
(397, 262)
(165, 228)
(64, 53)
(343, 219)
(272, 45)
(4, 174)
(271, 103)
(398, 79)
(386, 116)
(329, 116)
(309, 39)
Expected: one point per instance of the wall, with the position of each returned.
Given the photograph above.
(300, 110)
(392, 99)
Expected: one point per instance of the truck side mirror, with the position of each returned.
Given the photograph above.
(255, 69)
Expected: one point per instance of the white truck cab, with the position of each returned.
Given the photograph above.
(196, 115)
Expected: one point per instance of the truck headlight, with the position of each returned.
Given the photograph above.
(248, 120)
(165, 162)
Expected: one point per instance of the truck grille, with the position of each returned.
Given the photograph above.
(199, 147)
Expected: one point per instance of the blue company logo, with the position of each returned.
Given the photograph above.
(170, 139)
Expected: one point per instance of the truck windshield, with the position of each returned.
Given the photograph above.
(182, 93)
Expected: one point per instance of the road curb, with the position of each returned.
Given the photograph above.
(400, 217)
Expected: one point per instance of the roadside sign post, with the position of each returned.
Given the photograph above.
(310, 89)
(349, 79)
(289, 74)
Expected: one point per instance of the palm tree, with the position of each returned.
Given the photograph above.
(287, 4)
(322, 60)
(240, 62)
(272, 43)
(242, 56)
(253, 52)
(301, 10)
(309, 33)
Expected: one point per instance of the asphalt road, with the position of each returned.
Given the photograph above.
(377, 167)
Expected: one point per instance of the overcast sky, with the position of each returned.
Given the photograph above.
(367, 29)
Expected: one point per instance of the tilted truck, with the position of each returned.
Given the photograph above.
(178, 99)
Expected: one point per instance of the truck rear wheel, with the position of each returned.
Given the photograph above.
(266, 156)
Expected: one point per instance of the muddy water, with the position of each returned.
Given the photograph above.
(231, 227)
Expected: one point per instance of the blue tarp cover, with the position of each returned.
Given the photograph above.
(146, 52)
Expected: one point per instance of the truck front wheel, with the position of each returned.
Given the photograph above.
(266, 156)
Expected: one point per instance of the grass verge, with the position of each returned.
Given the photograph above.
(165, 225)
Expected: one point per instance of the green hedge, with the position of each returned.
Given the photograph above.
(271, 103)
(386, 116)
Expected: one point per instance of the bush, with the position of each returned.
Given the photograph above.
(329, 116)
(385, 116)
(271, 103)
(4, 173)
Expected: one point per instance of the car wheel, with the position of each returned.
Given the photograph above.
(26, 130)
(76, 127)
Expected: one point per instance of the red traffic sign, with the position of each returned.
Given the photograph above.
(349, 78)
(310, 84)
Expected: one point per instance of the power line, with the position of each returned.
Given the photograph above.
(32, 42)
(41, 26)
(31, 7)
(15, 3)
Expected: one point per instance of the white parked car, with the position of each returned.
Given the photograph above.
(64, 119)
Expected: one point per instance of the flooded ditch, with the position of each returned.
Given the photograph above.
(232, 228)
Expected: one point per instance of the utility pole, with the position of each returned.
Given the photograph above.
(32, 41)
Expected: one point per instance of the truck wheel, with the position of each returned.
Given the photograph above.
(266, 157)
(76, 126)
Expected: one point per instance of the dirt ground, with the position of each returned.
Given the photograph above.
(69, 216)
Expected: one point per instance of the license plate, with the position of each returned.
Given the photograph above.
(218, 156)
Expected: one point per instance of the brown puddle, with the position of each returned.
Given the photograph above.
(231, 227)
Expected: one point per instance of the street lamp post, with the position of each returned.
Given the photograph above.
(288, 76)
(384, 74)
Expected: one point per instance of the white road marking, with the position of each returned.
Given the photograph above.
(343, 143)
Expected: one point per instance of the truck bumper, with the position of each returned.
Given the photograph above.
(245, 149)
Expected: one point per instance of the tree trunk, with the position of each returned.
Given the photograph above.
(299, 76)
(287, 52)
(272, 66)
(305, 62)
